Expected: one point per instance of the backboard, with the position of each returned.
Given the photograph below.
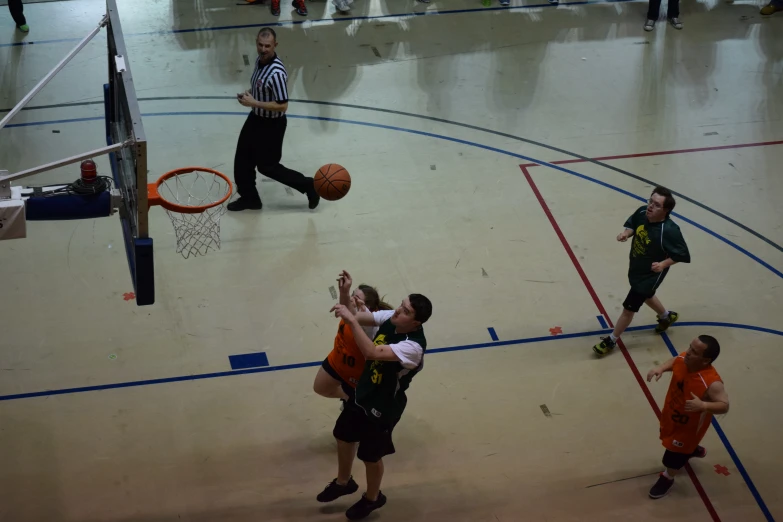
(129, 166)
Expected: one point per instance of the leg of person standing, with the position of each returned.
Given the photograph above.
(268, 161)
(653, 12)
(674, 14)
(245, 166)
(17, 13)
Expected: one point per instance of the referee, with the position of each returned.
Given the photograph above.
(260, 144)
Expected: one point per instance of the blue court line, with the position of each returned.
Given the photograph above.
(602, 321)
(729, 448)
(529, 340)
(248, 360)
(441, 137)
(285, 23)
(492, 334)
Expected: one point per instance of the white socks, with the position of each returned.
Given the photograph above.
(613, 338)
(664, 315)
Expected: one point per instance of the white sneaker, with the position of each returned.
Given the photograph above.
(342, 5)
(649, 25)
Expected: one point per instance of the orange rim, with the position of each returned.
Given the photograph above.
(154, 198)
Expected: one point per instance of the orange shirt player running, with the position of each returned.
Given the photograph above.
(681, 430)
(695, 393)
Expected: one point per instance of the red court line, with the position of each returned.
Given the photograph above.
(660, 153)
(623, 349)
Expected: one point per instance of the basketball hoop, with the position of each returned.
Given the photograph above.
(194, 199)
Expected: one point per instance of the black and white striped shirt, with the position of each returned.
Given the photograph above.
(268, 84)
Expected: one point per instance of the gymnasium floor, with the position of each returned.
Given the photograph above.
(433, 116)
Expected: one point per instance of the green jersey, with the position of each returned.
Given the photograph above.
(653, 243)
(381, 389)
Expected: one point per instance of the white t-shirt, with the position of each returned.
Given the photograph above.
(408, 352)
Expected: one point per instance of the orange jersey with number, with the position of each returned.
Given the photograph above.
(346, 358)
(681, 431)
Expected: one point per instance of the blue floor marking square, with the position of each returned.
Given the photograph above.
(248, 360)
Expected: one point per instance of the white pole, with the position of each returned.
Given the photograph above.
(48, 77)
(61, 163)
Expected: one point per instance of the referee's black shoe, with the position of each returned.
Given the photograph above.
(244, 204)
(312, 196)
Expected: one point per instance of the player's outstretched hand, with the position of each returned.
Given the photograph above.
(342, 312)
(344, 281)
(655, 372)
(359, 304)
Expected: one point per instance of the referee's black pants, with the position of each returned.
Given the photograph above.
(17, 12)
(260, 146)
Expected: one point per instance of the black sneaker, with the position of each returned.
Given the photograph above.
(364, 507)
(664, 324)
(300, 7)
(334, 490)
(662, 487)
(244, 204)
(312, 197)
(605, 346)
(275, 8)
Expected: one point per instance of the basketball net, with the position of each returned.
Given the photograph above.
(194, 199)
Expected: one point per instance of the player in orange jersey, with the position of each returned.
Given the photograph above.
(695, 394)
(339, 374)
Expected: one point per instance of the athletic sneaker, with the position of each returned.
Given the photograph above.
(675, 23)
(649, 25)
(700, 452)
(334, 490)
(770, 9)
(664, 324)
(605, 346)
(24, 28)
(300, 7)
(244, 204)
(505, 2)
(275, 8)
(662, 487)
(342, 5)
(364, 507)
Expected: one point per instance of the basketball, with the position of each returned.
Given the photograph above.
(332, 182)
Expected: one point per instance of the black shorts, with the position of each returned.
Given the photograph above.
(634, 301)
(674, 460)
(374, 438)
(347, 388)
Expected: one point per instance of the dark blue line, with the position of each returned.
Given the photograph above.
(743, 472)
(728, 445)
(529, 340)
(445, 138)
(602, 321)
(492, 334)
(331, 20)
